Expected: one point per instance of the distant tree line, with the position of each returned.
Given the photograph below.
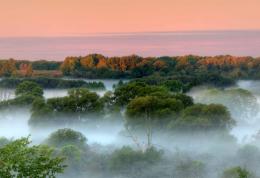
(39, 64)
(24, 68)
(99, 66)
(52, 83)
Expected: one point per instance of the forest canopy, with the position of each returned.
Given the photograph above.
(133, 66)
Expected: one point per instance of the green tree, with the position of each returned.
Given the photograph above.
(28, 88)
(18, 159)
(64, 137)
(174, 85)
(148, 111)
(26, 92)
(41, 112)
(79, 101)
(125, 93)
(241, 103)
(74, 158)
(75, 107)
(127, 160)
(204, 117)
(186, 100)
(237, 172)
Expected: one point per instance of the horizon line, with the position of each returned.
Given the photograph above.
(100, 34)
(108, 56)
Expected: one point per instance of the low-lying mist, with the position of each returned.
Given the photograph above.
(184, 154)
(243, 102)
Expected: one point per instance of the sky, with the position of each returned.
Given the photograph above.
(85, 17)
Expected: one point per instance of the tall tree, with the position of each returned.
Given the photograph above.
(149, 111)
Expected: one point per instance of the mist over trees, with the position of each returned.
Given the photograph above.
(162, 129)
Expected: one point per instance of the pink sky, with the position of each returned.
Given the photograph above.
(83, 17)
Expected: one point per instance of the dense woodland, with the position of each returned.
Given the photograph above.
(99, 66)
(51, 83)
(146, 111)
(153, 105)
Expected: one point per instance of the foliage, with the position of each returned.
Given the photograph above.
(127, 92)
(18, 159)
(135, 67)
(79, 100)
(28, 88)
(26, 92)
(74, 107)
(71, 152)
(148, 112)
(237, 172)
(65, 137)
(74, 158)
(185, 99)
(204, 117)
(241, 103)
(7, 68)
(51, 83)
(151, 108)
(217, 70)
(126, 159)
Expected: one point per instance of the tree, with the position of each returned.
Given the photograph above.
(241, 103)
(9, 68)
(26, 92)
(174, 85)
(75, 107)
(109, 104)
(201, 117)
(129, 161)
(80, 101)
(237, 172)
(18, 159)
(68, 66)
(41, 112)
(64, 137)
(148, 110)
(186, 100)
(142, 70)
(50, 83)
(26, 69)
(125, 93)
(74, 158)
(28, 88)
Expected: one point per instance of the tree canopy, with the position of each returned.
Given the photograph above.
(28, 88)
(64, 137)
(19, 159)
(204, 117)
